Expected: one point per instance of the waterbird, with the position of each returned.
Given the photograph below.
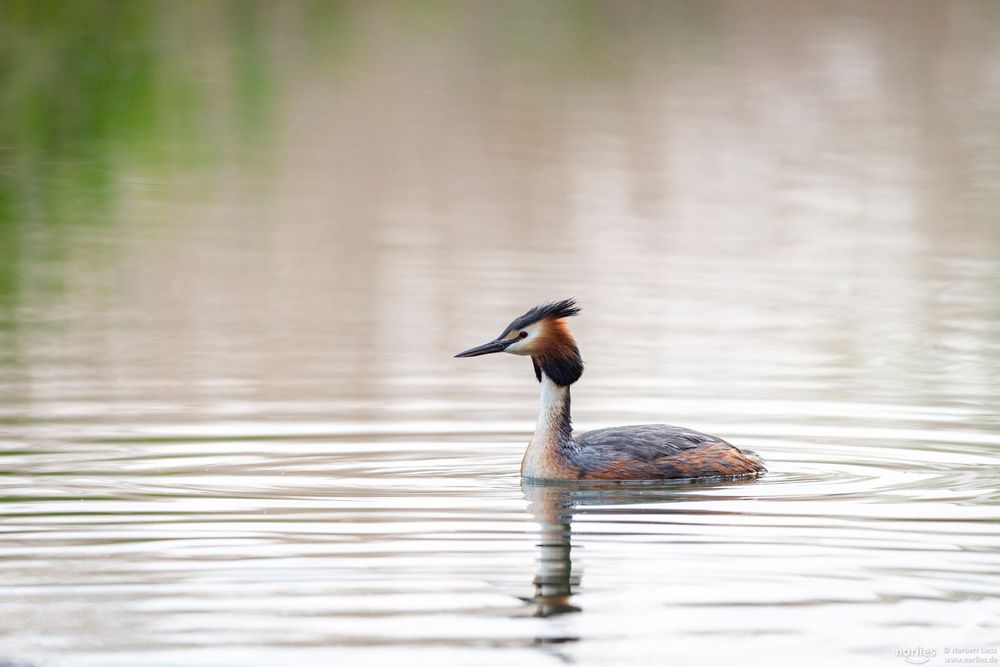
(624, 453)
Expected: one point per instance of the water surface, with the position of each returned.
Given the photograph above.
(240, 243)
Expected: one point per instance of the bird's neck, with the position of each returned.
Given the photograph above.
(545, 457)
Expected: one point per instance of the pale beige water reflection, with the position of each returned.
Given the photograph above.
(233, 432)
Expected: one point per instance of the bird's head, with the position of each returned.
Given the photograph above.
(542, 334)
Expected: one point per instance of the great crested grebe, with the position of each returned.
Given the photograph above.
(646, 452)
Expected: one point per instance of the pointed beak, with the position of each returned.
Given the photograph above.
(487, 348)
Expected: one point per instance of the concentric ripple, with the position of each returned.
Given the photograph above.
(327, 536)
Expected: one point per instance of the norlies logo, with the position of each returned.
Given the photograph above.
(916, 656)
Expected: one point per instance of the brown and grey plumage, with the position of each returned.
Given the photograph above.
(645, 452)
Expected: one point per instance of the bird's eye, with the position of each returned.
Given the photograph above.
(523, 334)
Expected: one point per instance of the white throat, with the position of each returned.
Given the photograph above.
(543, 457)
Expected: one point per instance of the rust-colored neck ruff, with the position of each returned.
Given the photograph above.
(556, 354)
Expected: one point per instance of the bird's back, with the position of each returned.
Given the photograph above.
(659, 451)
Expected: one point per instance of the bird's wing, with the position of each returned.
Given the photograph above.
(646, 442)
(659, 451)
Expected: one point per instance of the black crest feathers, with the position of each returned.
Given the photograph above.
(564, 308)
(556, 354)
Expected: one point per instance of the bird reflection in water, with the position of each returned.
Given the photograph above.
(554, 505)
(555, 581)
